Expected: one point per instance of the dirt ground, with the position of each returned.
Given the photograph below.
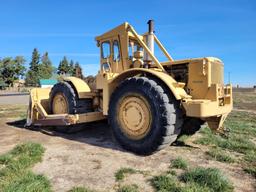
(90, 158)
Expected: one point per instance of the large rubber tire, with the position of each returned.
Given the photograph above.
(68, 92)
(165, 125)
(191, 125)
(75, 105)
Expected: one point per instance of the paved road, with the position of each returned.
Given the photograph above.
(14, 99)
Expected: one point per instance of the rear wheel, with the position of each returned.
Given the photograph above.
(142, 116)
(64, 100)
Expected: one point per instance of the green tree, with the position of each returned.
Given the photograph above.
(64, 67)
(45, 68)
(11, 69)
(72, 68)
(32, 76)
(78, 71)
(34, 64)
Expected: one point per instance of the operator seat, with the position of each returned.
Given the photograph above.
(138, 59)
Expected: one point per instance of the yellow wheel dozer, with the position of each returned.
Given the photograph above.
(148, 103)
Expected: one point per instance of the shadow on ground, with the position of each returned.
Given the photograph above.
(96, 133)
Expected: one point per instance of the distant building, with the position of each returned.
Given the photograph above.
(47, 83)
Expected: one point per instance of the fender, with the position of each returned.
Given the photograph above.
(175, 87)
(80, 86)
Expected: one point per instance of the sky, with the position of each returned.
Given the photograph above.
(188, 29)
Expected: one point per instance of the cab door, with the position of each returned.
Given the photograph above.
(106, 57)
(111, 59)
(116, 56)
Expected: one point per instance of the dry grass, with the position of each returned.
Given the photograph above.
(245, 100)
(13, 111)
(220, 155)
(128, 188)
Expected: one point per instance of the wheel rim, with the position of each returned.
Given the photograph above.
(59, 104)
(134, 116)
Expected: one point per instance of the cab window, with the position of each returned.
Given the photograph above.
(105, 50)
(116, 55)
(133, 47)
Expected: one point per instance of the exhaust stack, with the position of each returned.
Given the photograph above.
(149, 39)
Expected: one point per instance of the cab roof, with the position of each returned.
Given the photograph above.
(121, 29)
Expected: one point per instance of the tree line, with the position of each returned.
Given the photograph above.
(40, 67)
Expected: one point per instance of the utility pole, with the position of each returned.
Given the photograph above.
(229, 77)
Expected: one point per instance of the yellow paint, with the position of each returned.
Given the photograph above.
(59, 104)
(80, 86)
(134, 116)
(200, 87)
(175, 88)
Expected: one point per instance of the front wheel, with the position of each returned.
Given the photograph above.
(142, 116)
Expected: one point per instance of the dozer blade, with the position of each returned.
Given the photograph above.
(38, 113)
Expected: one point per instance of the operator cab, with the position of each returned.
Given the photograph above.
(120, 50)
(110, 56)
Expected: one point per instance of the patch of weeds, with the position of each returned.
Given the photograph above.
(15, 174)
(182, 140)
(28, 182)
(208, 177)
(237, 143)
(120, 174)
(129, 188)
(207, 138)
(220, 155)
(251, 170)
(179, 163)
(250, 156)
(5, 159)
(171, 172)
(80, 189)
(205, 131)
(194, 187)
(165, 183)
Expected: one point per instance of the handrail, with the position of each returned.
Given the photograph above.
(163, 49)
(158, 64)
